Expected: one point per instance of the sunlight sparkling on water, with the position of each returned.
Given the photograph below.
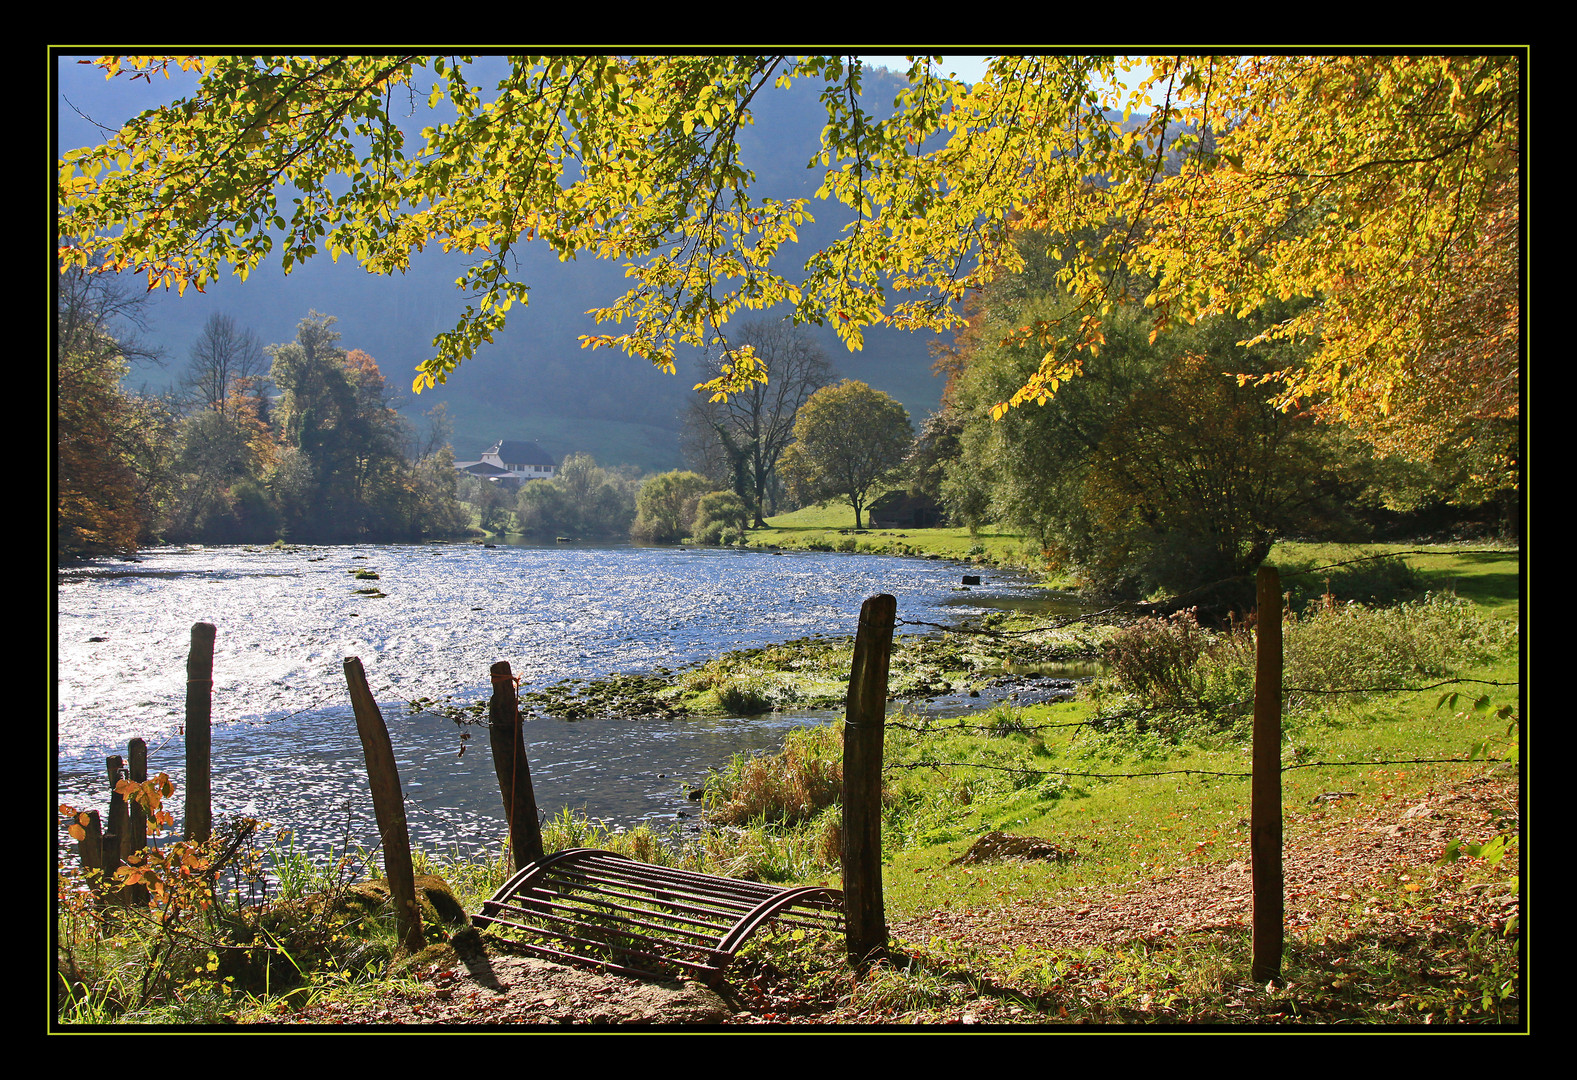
(285, 744)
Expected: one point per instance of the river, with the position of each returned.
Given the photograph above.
(285, 747)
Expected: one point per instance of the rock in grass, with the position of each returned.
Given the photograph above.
(996, 846)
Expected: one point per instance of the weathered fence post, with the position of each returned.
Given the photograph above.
(1265, 788)
(508, 743)
(137, 826)
(114, 834)
(865, 914)
(116, 826)
(388, 806)
(199, 734)
(90, 849)
(137, 773)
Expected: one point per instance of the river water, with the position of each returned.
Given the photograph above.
(285, 747)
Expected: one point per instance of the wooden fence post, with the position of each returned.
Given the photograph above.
(865, 915)
(388, 806)
(116, 826)
(114, 836)
(137, 826)
(199, 734)
(1265, 787)
(90, 849)
(508, 743)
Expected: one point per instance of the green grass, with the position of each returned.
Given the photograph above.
(1018, 771)
(830, 527)
(1485, 573)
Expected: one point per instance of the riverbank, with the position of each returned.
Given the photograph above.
(1168, 947)
(1140, 915)
(973, 658)
(830, 528)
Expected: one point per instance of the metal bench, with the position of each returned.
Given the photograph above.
(595, 907)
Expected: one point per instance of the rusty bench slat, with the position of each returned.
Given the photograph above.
(710, 883)
(543, 902)
(732, 900)
(584, 895)
(707, 971)
(726, 909)
(707, 942)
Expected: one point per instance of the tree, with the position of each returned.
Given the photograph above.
(490, 501)
(1198, 476)
(221, 453)
(223, 444)
(111, 446)
(438, 511)
(224, 359)
(847, 439)
(665, 508)
(1383, 189)
(744, 434)
(582, 499)
(1028, 468)
(334, 409)
(1153, 469)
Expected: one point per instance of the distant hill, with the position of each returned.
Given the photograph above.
(535, 382)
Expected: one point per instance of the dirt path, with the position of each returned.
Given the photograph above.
(1332, 861)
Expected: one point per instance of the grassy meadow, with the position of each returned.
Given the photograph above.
(1402, 830)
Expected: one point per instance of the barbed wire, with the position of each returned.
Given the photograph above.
(1024, 771)
(1396, 689)
(1180, 601)
(1057, 623)
(1394, 554)
(1009, 727)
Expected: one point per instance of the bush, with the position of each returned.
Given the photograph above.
(721, 517)
(1172, 663)
(1353, 647)
(666, 507)
(1158, 659)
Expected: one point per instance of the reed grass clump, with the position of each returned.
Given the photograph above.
(784, 789)
(743, 696)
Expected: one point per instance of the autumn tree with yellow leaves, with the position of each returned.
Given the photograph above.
(1385, 190)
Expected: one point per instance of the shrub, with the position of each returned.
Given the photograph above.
(666, 506)
(1158, 659)
(1353, 646)
(721, 517)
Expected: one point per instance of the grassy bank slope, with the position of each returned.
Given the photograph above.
(831, 528)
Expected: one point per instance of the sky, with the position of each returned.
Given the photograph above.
(968, 68)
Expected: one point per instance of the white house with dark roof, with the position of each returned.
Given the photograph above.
(511, 462)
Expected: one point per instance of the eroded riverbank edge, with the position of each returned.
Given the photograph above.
(995, 656)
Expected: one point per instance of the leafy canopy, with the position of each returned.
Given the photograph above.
(847, 439)
(1386, 189)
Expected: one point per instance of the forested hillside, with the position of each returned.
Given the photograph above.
(535, 382)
